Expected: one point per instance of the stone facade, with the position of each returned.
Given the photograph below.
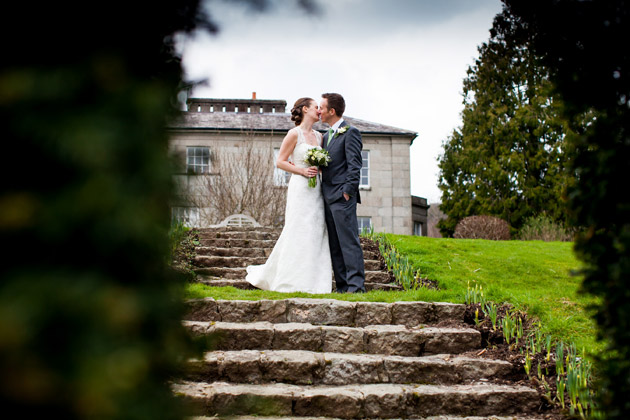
(230, 124)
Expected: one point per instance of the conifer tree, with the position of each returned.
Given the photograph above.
(508, 158)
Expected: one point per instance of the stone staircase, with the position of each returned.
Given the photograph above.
(311, 359)
(324, 358)
(226, 252)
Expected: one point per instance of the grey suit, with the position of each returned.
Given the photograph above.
(342, 175)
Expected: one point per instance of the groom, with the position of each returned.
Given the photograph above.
(340, 188)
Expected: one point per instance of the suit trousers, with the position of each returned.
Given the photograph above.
(345, 246)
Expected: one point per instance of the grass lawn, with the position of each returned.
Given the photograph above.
(534, 276)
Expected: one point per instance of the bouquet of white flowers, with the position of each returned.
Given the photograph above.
(316, 157)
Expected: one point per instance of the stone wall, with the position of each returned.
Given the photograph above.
(252, 106)
(220, 144)
(387, 200)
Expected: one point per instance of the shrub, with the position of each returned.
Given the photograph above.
(176, 234)
(544, 228)
(184, 241)
(482, 227)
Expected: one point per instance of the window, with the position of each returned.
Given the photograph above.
(235, 109)
(417, 229)
(211, 108)
(365, 169)
(365, 223)
(197, 160)
(280, 178)
(188, 216)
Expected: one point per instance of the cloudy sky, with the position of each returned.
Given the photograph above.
(396, 62)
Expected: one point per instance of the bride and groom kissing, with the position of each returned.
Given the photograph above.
(320, 234)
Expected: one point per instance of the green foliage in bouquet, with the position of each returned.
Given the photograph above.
(316, 156)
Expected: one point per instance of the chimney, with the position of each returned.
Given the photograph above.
(254, 95)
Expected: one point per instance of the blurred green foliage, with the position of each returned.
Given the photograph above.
(89, 308)
(579, 41)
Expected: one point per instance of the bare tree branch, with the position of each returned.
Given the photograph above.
(240, 182)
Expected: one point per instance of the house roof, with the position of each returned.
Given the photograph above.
(239, 121)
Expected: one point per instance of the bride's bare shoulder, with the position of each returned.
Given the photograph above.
(291, 136)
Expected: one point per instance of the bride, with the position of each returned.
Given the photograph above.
(300, 260)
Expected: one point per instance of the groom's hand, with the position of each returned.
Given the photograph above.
(346, 196)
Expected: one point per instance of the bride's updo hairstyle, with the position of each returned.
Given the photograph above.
(296, 111)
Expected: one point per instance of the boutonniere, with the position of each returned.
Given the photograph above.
(342, 130)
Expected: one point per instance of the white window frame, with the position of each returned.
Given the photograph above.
(415, 231)
(280, 178)
(196, 162)
(364, 181)
(361, 222)
(189, 216)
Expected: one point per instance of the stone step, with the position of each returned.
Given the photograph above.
(396, 340)
(241, 272)
(227, 262)
(377, 276)
(258, 235)
(369, 286)
(370, 255)
(239, 229)
(227, 273)
(244, 285)
(491, 417)
(244, 261)
(233, 252)
(372, 265)
(324, 312)
(219, 282)
(249, 248)
(310, 368)
(357, 401)
(238, 243)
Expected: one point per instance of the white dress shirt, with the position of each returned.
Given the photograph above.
(335, 127)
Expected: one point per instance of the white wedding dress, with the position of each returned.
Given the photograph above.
(300, 260)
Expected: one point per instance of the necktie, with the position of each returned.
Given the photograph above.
(330, 136)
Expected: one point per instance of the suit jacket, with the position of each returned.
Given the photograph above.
(343, 173)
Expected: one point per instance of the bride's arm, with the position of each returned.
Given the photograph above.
(288, 144)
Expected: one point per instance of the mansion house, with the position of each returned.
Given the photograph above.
(227, 127)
